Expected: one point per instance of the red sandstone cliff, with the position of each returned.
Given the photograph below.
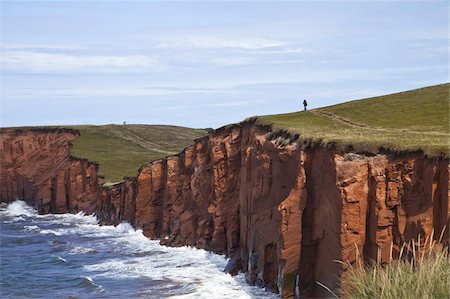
(283, 211)
(36, 166)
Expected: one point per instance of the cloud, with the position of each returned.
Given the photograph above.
(218, 43)
(221, 103)
(31, 61)
(43, 47)
(62, 93)
(229, 61)
(235, 103)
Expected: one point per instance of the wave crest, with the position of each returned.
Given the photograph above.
(19, 208)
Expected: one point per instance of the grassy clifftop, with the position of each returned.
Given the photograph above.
(411, 120)
(406, 121)
(122, 149)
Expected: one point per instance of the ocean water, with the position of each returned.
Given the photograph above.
(71, 256)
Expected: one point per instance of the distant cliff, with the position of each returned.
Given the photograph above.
(282, 208)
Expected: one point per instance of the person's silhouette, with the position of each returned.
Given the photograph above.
(305, 103)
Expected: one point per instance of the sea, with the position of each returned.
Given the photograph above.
(72, 256)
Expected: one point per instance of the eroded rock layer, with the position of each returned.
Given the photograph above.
(36, 166)
(283, 212)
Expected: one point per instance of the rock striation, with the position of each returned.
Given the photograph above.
(284, 210)
(36, 166)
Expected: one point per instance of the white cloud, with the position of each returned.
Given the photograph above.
(60, 93)
(229, 61)
(235, 103)
(217, 43)
(42, 47)
(30, 61)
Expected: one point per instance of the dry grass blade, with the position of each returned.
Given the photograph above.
(328, 289)
(415, 275)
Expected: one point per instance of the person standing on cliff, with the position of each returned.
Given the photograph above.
(305, 103)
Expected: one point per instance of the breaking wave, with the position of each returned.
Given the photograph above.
(71, 255)
(19, 208)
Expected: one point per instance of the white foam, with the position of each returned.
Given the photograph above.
(31, 227)
(18, 219)
(61, 259)
(50, 231)
(80, 218)
(89, 278)
(183, 265)
(141, 257)
(81, 250)
(19, 208)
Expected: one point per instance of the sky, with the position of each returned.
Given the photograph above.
(207, 64)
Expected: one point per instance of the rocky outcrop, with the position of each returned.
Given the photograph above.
(36, 166)
(283, 210)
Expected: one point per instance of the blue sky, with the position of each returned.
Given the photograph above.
(207, 64)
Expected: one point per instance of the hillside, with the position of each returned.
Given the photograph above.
(122, 149)
(411, 120)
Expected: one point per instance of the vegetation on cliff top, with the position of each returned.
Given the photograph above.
(122, 149)
(406, 121)
(411, 120)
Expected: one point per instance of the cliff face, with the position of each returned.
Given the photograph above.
(36, 166)
(282, 212)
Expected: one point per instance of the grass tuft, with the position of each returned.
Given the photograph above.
(423, 271)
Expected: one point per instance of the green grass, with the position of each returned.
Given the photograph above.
(121, 150)
(411, 120)
(425, 275)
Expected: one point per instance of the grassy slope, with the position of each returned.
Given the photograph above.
(121, 150)
(411, 120)
(416, 119)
